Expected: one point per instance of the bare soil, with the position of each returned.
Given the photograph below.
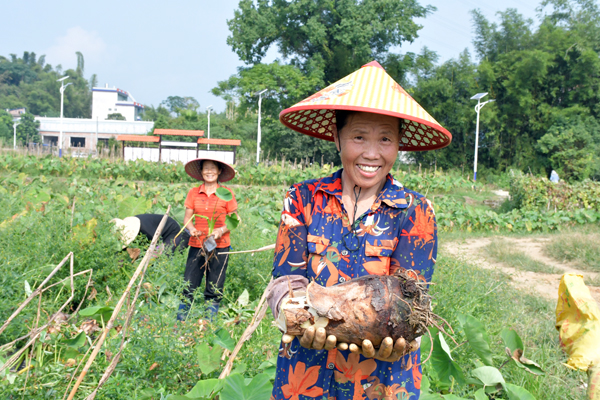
(546, 285)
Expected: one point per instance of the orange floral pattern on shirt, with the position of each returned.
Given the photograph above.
(300, 382)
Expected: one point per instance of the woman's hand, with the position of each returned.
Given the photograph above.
(194, 232)
(314, 339)
(218, 233)
(388, 350)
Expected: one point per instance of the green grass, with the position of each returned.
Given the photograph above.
(502, 250)
(579, 247)
(489, 297)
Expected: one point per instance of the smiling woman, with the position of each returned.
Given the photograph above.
(356, 222)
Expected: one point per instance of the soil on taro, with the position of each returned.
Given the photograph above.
(545, 284)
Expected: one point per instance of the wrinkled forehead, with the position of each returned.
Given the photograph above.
(363, 120)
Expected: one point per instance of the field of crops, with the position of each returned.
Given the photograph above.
(50, 207)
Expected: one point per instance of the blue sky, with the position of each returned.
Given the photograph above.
(157, 49)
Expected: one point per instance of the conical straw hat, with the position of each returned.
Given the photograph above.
(129, 228)
(194, 169)
(370, 89)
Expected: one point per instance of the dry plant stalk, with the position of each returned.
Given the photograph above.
(110, 324)
(259, 314)
(35, 333)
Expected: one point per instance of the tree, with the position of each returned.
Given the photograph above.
(176, 104)
(572, 145)
(115, 117)
(335, 37)
(27, 130)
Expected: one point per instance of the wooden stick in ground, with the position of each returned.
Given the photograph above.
(130, 309)
(37, 331)
(269, 247)
(119, 305)
(35, 292)
(259, 314)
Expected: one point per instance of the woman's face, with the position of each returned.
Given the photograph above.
(369, 147)
(210, 172)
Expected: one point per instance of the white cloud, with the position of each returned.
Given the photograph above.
(89, 43)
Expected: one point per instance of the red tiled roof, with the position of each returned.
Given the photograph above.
(228, 142)
(138, 138)
(178, 132)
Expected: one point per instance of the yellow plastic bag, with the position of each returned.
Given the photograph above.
(578, 324)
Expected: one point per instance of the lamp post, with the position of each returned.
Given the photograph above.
(62, 95)
(15, 135)
(208, 110)
(478, 107)
(258, 137)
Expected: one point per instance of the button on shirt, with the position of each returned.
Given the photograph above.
(211, 207)
(315, 240)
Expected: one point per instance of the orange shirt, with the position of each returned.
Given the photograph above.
(203, 204)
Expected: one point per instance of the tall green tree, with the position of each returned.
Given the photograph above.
(28, 129)
(332, 36)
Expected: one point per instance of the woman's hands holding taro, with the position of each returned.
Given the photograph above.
(389, 351)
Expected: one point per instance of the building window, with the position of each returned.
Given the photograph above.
(77, 142)
(51, 140)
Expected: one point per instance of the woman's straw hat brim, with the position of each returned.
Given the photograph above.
(372, 90)
(128, 227)
(194, 169)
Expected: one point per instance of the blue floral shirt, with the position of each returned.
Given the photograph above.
(315, 240)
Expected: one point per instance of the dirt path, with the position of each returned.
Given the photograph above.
(546, 285)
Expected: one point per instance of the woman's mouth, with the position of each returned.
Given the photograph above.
(368, 168)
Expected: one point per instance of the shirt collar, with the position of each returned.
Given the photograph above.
(202, 189)
(392, 193)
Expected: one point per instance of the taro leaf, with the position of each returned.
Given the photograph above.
(223, 339)
(259, 388)
(442, 363)
(477, 337)
(241, 368)
(75, 342)
(208, 359)
(180, 397)
(515, 350)
(489, 376)
(269, 367)
(205, 389)
(480, 395)
(224, 194)
(452, 397)
(431, 396)
(445, 346)
(99, 313)
(517, 392)
(244, 298)
(131, 206)
(232, 221)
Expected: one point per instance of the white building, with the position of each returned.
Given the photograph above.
(85, 133)
(106, 101)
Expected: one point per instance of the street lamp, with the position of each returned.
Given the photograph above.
(15, 137)
(478, 107)
(62, 95)
(208, 109)
(258, 137)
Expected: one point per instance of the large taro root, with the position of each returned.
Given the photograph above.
(371, 307)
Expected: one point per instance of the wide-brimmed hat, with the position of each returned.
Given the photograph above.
(194, 169)
(128, 227)
(372, 90)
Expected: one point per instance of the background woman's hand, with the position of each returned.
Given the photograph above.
(312, 338)
(388, 350)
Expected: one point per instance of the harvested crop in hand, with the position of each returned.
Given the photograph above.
(371, 307)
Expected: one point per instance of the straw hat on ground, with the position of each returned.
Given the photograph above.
(372, 90)
(194, 169)
(129, 228)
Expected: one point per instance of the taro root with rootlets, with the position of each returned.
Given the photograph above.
(371, 307)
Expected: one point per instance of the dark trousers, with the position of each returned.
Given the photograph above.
(195, 269)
